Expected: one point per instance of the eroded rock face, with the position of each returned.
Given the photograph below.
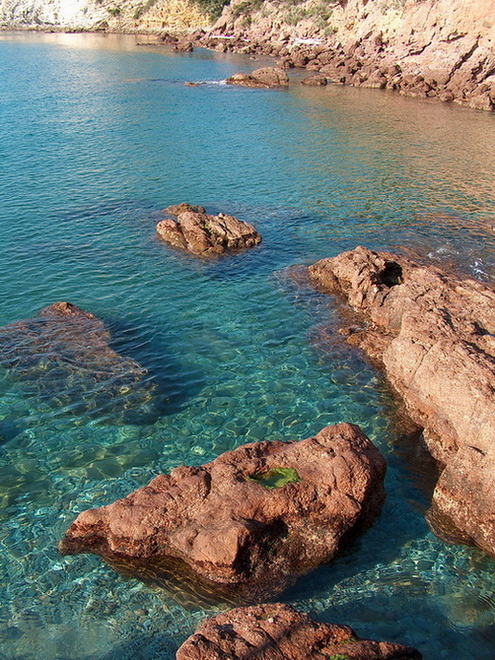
(279, 632)
(266, 77)
(246, 525)
(205, 235)
(62, 357)
(434, 335)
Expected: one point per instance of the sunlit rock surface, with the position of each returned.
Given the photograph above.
(434, 335)
(243, 527)
(199, 233)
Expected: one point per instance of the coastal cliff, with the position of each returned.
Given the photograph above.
(128, 16)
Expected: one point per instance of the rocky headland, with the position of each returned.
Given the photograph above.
(201, 234)
(62, 357)
(433, 334)
(243, 527)
(279, 632)
(116, 16)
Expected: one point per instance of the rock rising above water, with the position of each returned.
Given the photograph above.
(266, 78)
(206, 235)
(434, 335)
(220, 530)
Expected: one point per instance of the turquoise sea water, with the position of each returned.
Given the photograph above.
(97, 135)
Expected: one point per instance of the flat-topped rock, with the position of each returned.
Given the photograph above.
(279, 632)
(245, 526)
(63, 357)
(266, 77)
(434, 335)
(202, 234)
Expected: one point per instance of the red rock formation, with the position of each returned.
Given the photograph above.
(434, 335)
(205, 235)
(279, 632)
(226, 529)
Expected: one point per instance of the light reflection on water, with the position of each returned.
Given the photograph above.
(234, 346)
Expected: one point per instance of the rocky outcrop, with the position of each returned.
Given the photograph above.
(315, 81)
(279, 632)
(434, 335)
(62, 357)
(267, 77)
(425, 48)
(245, 526)
(206, 235)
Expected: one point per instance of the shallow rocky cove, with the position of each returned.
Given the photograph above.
(241, 549)
(290, 371)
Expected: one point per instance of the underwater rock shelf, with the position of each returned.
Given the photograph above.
(62, 357)
(243, 527)
(279, 632)
(434, 336)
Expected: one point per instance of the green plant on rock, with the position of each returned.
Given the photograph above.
(276, 477)
(142, 9)
(115, 11)
(329, 31)
(338, 656)
(212, 7)
(321, 9)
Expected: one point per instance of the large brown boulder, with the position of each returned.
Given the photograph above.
(266, 77)
(279, 632)
(202, 234)
(246, 525)
(434, 335)
(62, 357)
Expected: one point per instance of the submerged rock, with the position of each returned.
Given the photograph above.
(62, 356)
(199, 233)
(245, 526)
(434, 336)
(266, 77)
(279, 632)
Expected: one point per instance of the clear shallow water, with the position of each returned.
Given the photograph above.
(96, 136)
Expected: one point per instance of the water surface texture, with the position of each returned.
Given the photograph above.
(97, 135)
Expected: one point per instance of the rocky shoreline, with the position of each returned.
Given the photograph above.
(431, 49)
(466, 78)
(433, 335)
